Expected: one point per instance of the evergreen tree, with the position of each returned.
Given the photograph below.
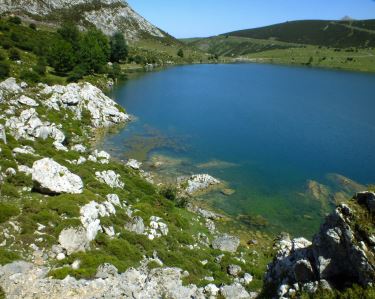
(119, 49)
(61, 56)
(94, 51)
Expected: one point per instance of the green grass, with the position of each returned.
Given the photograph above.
(349, 59)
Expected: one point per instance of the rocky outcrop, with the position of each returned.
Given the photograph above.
(52, 178)
(29, 126)
(198, 182)
(341, 254)
(24, 280)
(108, 15)
(84, 97)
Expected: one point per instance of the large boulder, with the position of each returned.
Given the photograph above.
(52, 178)
(226, 243)
(74, 240)
(234, 291)
(136, 225)
(341, 254)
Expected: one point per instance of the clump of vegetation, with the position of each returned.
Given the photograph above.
(7, 211)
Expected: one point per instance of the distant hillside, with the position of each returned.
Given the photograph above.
(339, 34)
(233, 46)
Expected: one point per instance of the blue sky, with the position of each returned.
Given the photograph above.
(195, 18)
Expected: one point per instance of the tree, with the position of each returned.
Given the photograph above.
(94, 50)
(15, 20)
(61, 56)
(180, 53)
(41, 66)
(119, 49)
(70, 33)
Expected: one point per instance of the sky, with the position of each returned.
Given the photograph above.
(201, 18)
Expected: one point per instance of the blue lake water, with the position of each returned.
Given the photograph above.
(264, 129)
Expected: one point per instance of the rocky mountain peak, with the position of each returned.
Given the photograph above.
(109, 16)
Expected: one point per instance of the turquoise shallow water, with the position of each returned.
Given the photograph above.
(275, 127)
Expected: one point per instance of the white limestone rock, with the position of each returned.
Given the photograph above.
(132, 163)
(200, 182)
(74, 240)
(3, 136)
(110, 178)
(82, 97)
(10, 86)
(52, 178)
(79, 148)
(24, 100)
(234, 291)
(90, 218)
(226, 243)
(26, 150)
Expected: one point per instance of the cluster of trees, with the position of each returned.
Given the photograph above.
(80, 53)
(70, 52)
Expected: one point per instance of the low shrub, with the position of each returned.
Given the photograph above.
(7, 211)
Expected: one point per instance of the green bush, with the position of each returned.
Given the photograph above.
(7, 257)
(30, 76)
(41, 66)
(32, 26)
(9, 190)
(119, 49)
(7, 211)
(15, 20)
(14, 54)
(4, 69)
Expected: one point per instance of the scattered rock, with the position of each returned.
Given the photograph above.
(106, 270)
(74, 240)
(234, 270)
(136, 225)
(3, 136)
(226, 243)
(132, 163)
(110, 178)
(24, 100)
(234, 291)
(52, 178)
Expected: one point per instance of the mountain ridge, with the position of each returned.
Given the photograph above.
(110, 16)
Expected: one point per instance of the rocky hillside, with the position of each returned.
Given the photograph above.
(74, 222)
(109, 16)
(340, 255)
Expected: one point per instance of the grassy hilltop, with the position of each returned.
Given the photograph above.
(347, 45)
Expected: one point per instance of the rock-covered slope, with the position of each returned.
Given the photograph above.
(340, 255)
(109, 16)
(74, 222)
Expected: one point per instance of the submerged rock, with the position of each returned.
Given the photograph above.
(52, 178)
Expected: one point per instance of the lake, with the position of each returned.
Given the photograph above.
(265, 130)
